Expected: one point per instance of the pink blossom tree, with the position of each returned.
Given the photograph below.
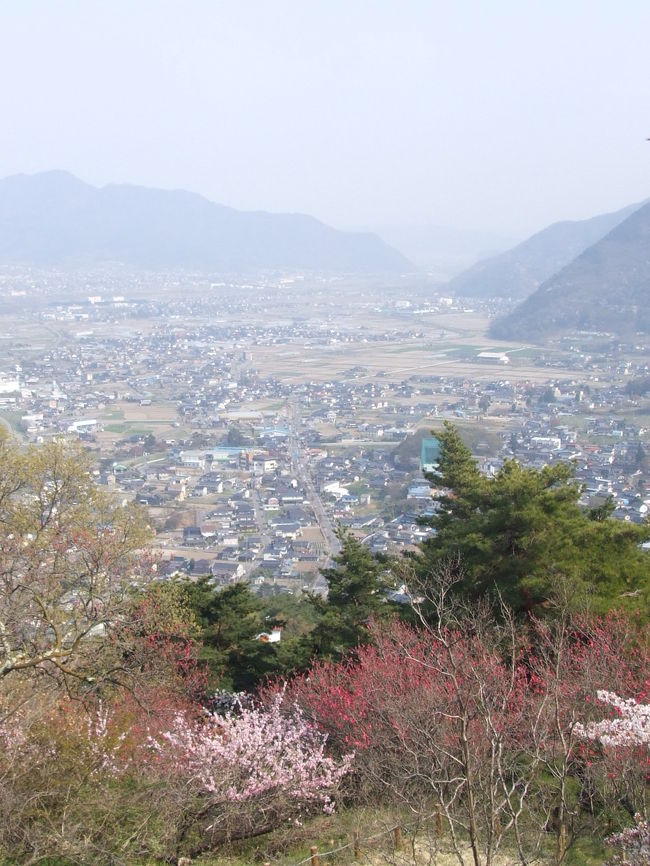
(245, 773)
(70, 776)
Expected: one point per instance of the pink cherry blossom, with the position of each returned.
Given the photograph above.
(631, 728)
(253, 754)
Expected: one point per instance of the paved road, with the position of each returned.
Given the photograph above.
(302, 471)
(262, 527)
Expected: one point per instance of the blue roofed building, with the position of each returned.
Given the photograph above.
(429, 454)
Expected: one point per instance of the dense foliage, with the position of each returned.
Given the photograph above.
(230, 619)
(356, 594)
(484, 725)
(523, 534)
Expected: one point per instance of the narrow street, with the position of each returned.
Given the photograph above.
(300, 466)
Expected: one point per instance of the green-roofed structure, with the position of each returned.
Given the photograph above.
(429, 454)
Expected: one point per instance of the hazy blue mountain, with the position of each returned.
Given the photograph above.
(606, 288)
(53, 218)
(518, 272)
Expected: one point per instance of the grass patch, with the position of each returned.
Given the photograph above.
(416, 347)
(12, 420)
(128, 427)
(586, 852)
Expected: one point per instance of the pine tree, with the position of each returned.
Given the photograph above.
(229, 620)
(458, 476)
(356, 596)
(523, 533)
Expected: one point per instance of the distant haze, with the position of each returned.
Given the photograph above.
(443, 251)
(499, 117)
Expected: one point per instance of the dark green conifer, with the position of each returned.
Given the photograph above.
(357, 587)
(523, 532)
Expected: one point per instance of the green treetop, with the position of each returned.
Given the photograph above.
(523, 532)
(356, 595)
(230, 620)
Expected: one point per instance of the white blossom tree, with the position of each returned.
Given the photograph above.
(629, 729)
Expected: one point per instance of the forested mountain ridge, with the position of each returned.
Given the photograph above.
(518, 272)
(606, 288)
(53, 218)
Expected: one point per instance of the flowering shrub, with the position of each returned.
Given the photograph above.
(249, 770)
(492, 730)
(634, 843)
(253, 754)
(629, 730)
(199, 778)
(481, 722)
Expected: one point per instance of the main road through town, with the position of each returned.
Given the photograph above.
(300, 466)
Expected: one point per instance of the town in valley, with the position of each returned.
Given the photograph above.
(254, 418)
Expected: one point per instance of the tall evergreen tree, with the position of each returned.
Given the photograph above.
(356, 595)
(229, 620)
(458, 477)
(523, 532)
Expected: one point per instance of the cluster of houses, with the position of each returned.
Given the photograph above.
(217, 466)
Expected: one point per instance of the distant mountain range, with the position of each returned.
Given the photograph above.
(53, 218)
(518, 272)
(606, 288)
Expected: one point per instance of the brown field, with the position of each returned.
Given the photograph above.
(396, 361)
(312, 534)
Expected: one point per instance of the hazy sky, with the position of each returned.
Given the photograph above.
(491, 114)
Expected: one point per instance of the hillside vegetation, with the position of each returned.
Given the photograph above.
(500, 717)
(518, 272)
(605, 289)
